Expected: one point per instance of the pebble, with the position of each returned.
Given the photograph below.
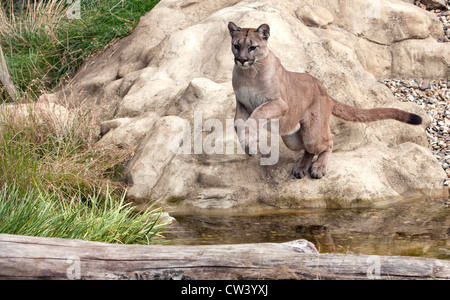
(435, 100)
(424, 86)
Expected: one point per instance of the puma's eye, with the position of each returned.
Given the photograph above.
(251, 48)
(237, 47)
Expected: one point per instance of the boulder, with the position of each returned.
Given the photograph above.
(166, 91)
(54, 117)
(417, 58)
(434, 4)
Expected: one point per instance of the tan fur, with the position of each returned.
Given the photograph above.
(264, 89)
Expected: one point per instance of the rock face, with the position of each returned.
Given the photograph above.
(166, 90)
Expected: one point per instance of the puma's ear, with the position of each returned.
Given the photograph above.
(233, 28)
(264, 31)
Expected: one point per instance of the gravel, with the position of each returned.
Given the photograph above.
(434, 98)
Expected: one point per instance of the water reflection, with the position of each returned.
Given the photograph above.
(415, 228)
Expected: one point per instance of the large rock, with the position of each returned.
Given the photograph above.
(54, 117)
(434, 4)
(177, 64)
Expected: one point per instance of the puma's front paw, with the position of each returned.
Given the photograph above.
(300, 171)
(245, 145)
(251, 144)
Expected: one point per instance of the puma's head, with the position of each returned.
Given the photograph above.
(248, 44)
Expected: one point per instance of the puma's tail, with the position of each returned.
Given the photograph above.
(350, 113)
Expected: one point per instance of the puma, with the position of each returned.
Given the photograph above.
(265, 90)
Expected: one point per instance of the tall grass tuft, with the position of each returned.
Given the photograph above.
(47, 215)
(55, 182)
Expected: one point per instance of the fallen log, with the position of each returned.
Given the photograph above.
(24, 257)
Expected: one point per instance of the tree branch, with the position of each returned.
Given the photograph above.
(5, 78)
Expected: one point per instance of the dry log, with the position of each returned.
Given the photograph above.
(23, 257)
(5, 78)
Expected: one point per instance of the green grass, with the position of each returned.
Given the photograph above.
(35, 149)
(94, 219)
(54, 180)
(43, 47)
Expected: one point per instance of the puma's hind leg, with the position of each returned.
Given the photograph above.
(320, 166)
(294, 142)
(313, 144)
(322, 146)
(318, 140)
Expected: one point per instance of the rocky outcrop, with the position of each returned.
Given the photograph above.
(177, 65)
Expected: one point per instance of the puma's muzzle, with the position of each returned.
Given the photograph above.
(244, 63)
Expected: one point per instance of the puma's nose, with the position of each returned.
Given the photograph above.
(243, 62)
